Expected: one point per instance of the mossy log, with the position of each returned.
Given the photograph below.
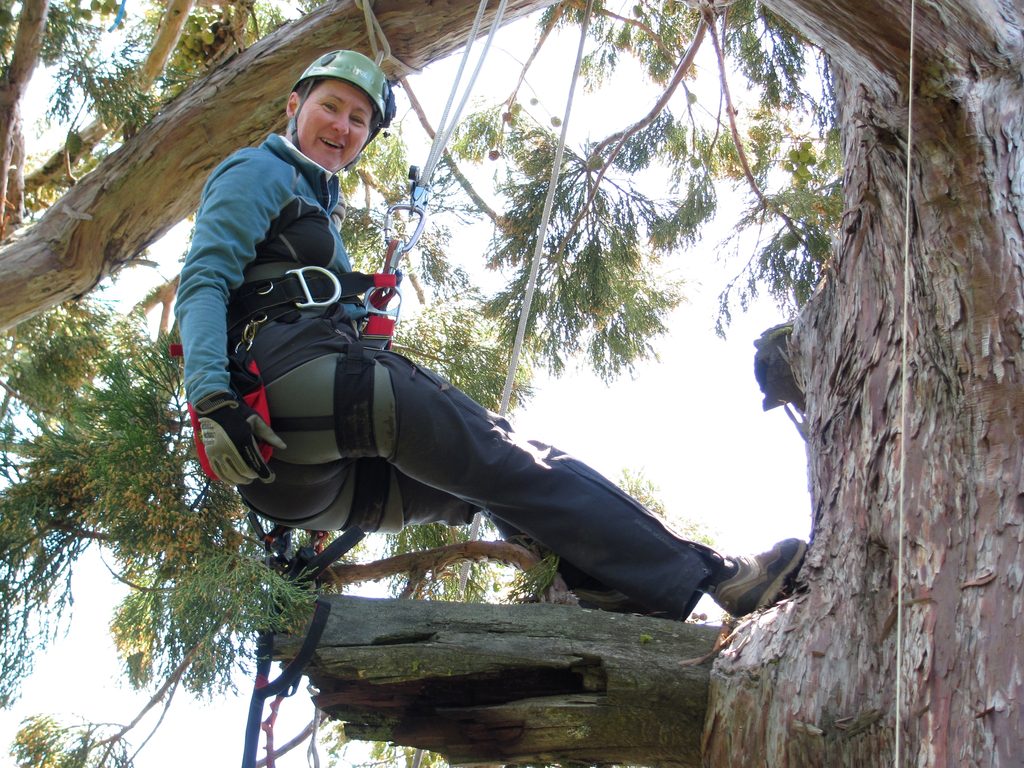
(526, 684)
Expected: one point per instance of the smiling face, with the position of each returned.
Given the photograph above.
(333, 123)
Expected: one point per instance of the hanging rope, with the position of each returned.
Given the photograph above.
(531, 285)
(421, 185)
(904, 391)
(379, 44)
(445, 127)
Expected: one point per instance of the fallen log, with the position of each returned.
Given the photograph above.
(522, 684)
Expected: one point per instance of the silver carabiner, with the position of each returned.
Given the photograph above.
(413, 209)
(310, 301)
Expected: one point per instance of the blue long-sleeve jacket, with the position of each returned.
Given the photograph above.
(270, 202)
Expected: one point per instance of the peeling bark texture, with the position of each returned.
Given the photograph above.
(527, 684)
(153, 181)
(813, 683)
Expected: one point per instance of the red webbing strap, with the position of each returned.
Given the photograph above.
(381, 327)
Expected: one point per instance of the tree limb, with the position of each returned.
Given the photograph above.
(24, 56)
(526, 684)
(164, 296)
(730, 110)
(435, 560)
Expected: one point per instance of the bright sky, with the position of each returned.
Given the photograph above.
(692, 423)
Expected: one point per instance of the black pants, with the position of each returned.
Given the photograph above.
(413, 434)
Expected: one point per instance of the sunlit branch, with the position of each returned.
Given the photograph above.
(433, 560)
(417, 286)
(737, 142)
(164, 296)
(623, 136)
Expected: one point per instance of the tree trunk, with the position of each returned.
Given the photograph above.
(815, 683)
(534, 684)
(153, 181)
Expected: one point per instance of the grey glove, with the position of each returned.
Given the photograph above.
(230, 429)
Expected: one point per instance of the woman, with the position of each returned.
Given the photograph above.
(364, 437)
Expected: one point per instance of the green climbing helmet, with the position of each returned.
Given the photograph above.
(360, 71)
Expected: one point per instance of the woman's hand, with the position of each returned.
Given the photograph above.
(230, 429)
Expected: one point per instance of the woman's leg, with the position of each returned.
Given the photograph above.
(436, 435)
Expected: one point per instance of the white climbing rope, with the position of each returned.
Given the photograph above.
(449, 120)
(531, 286)
(904, 392)
(378, 40)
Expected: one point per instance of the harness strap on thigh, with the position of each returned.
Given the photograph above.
(370, 499)
(385, 423)
(355, 358)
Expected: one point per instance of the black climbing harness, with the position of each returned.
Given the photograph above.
(306, 566)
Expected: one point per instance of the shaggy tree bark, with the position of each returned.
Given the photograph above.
(530, 684)
(816, 684)
(152, 182)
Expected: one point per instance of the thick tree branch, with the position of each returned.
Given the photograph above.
(164, 296)
(524, 684)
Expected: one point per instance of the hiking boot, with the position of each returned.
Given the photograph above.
(757, 581)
